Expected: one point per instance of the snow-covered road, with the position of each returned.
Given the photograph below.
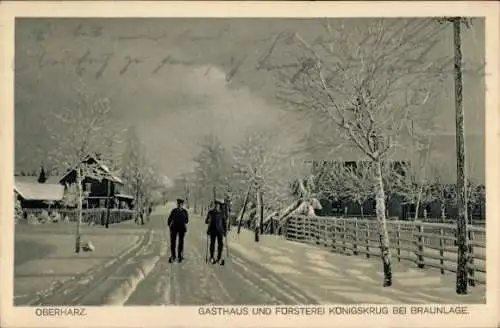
(193, 282)
(273, 271)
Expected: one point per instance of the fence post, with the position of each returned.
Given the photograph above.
(355, 245)
(334, 234)
(367, 239)
(326, 232)
(303, 225)
(472, 280)
(420, 245)
(441, 250)
(344, 237)
(317, 225)
(398, 240)
(306, 230)
(309, 229)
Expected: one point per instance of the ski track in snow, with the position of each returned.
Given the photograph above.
(194, 282)
(249, 277)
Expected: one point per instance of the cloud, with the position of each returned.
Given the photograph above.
(209, 105)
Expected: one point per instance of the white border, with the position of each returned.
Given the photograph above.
(481, 315)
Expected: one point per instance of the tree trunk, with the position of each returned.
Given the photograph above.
(461, 283)
(108, 202)
(227, 208)
(245, 202)
(443, 213)
(419, 197)
(261, 212)
(257, 216)
(141, 208)
(137, 202)
(386, 206)
(382, 226)
(80, 205)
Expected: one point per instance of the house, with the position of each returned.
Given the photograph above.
(443, 151)
(395, 207)
(123, 197)
(101, 193)
(32, 194)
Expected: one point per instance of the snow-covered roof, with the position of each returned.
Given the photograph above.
(101, 165)
(39, 191)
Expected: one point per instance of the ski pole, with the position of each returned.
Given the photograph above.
(206, 250)
(227, 247)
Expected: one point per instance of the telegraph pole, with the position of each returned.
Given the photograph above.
(462, 273)
(462, 279)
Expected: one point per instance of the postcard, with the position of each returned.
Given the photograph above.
(249, 163)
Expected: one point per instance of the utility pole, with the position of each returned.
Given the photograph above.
(462, 279)
(462, 274)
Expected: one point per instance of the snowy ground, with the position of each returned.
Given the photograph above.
(44, 255)
(273, 271)
(336, 278)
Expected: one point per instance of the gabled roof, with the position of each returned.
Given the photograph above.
(39, 191)
(101, 165)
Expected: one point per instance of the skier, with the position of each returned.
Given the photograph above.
(177, 222)
(217, 230)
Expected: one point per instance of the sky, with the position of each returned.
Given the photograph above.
(168, 77)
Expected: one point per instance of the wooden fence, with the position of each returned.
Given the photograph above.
(95, 215)
(425, 244)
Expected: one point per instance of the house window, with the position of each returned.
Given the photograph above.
(87, 186)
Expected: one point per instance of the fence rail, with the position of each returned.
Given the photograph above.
(89, 216)
(425, 244)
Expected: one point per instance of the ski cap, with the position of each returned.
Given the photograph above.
(180, 200)
(219, 202)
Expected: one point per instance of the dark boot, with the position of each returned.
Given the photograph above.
(171, 259)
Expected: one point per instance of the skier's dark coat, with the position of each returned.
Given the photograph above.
(178, 219)
(216, 221)
(217, 228)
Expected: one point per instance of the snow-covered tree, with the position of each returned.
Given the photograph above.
(268, 170)
(359, 183)
(416, 188)
(83, 129)
(137, 172)
(213, 169)
(369, 79)
(70, 197)
(18, 209)
(42, 177)
(329, 182)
